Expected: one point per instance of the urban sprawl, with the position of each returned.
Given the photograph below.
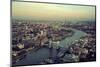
(28, 37)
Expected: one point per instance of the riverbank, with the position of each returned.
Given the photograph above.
(49, 51)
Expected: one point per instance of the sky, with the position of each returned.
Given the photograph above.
(45, 11)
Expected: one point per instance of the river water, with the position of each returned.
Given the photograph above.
(67, 41)
(44, 53)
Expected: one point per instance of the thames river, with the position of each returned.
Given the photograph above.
(44, 53)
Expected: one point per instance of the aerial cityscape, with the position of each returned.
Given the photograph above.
(48, 33)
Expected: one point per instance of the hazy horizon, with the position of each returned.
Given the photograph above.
(45, 11)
